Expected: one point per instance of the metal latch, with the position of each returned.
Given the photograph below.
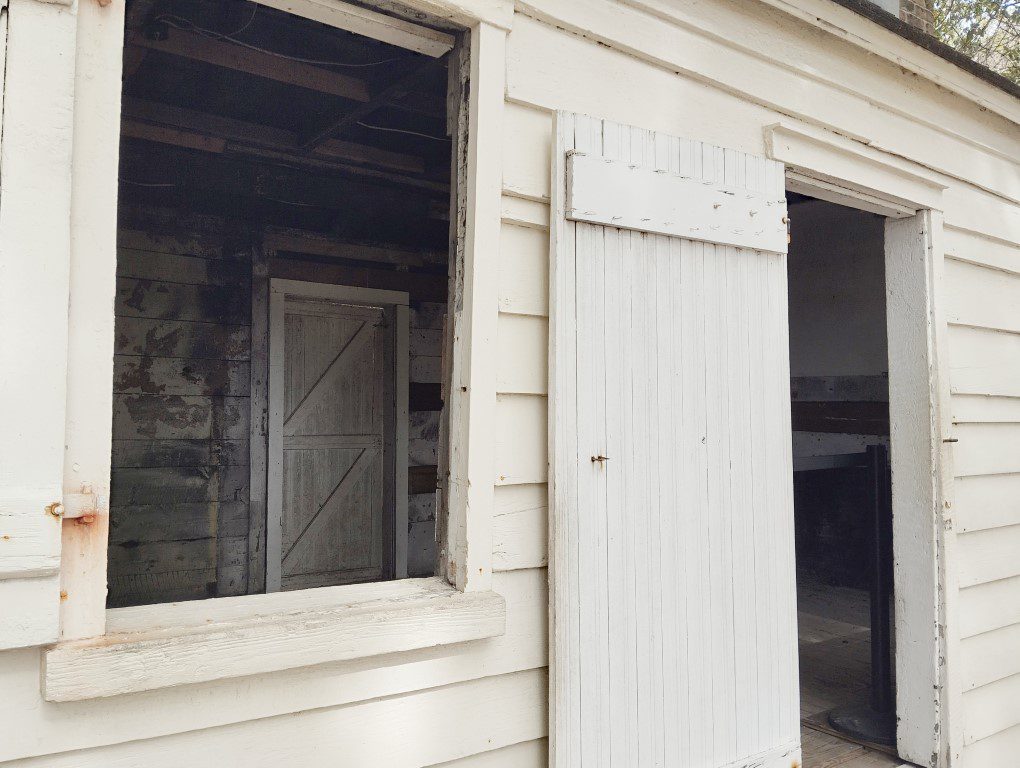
(82, 506)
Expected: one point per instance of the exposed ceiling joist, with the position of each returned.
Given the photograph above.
(221, 53)
(334, 126)
(186, 123)
(362, 21)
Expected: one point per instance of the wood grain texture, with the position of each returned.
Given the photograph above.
(429, 613)
(674, 627)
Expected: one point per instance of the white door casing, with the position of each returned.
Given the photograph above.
(337, 430)
(673, 603)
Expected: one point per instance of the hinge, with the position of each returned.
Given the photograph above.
(82, 506)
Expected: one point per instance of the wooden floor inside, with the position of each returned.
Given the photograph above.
(834, 671)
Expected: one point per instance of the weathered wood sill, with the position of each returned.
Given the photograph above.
(160, 646)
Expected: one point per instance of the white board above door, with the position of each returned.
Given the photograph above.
(619, 194)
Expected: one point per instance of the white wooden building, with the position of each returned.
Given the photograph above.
(597, 513)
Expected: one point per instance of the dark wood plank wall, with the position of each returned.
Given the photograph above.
(180, 506)
(179, 485)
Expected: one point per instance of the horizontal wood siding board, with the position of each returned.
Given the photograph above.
(988, 555)
(177, 268)
(986, 501)
(989, 606)
(152, 485)
(180, 453)
(866, 418)
(176, 521)
(985, 409)
(990, 656)
(524, 270)
(991, 709)
(179, 338)
(490, 713)
(975, 248)
(179, 417)
(180, 376)
(986, 449)
(982, 297)
(984, 362)
(175, 301)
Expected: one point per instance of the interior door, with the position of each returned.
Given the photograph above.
(331, 441)
(673, 600)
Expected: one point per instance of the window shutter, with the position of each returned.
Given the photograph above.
(35, 204)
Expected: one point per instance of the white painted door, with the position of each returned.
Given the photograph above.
(332, 442)
(674, 616)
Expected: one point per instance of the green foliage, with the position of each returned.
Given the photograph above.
(986, 30)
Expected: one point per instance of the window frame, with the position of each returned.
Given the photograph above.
(454, 606)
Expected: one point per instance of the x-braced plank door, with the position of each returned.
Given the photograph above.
(673, 602)
(331, 473)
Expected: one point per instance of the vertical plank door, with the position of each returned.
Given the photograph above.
(672, 567)
(331, 435)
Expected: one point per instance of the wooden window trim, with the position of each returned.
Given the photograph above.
(159, 646)
(358, 620)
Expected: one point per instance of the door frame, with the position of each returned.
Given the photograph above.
(396, 304)
(839, 170)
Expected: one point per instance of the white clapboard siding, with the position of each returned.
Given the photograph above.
(989, 606)
(987, 501)
(674, 629)
(526, 157)
(990, 656)
(976, 249)
(521, 429)
(528, 754)
(990, 750)
(990, 709)
(47, 728)
(986, 449)
(984, 362)
(988, 555)
(983, 297)
(449, 723)
(520, 526)
(985, 409)
(523, 270)
(523, 343)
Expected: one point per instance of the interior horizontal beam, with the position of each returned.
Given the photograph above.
(223, 53)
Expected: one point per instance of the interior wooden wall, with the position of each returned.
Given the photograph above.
(180, 480)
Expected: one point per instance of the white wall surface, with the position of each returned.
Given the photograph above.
(489, 698)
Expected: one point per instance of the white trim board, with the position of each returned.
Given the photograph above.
(237, 636)
(619, 194)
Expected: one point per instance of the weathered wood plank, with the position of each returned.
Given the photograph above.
(152, 485)
(160, 587)
(177, 521)
(180, 376)
(177, 338)
(421, 286)
(179, 417)
(179, 453)
(152, 299)
(178, 268)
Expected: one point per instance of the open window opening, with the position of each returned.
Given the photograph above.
(281, 319)
(839, 367)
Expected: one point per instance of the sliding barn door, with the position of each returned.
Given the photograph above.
(332, 419)
(674, 617)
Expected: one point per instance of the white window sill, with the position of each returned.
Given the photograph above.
(158, 646)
